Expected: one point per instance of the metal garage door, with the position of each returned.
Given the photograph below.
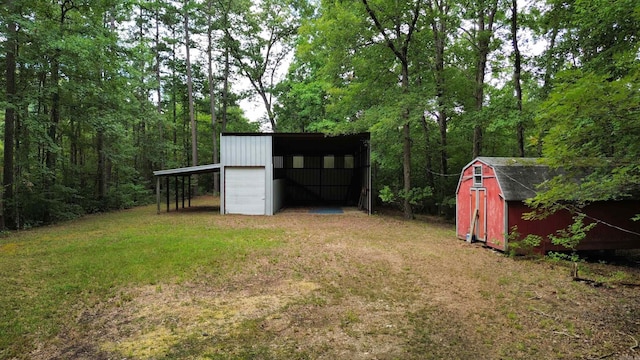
(245, 190)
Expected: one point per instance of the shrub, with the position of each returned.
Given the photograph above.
(524, 246)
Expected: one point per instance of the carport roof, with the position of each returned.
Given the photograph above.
(191, 170)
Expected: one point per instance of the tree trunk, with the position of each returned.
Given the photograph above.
(102, 176)
(157, 67)
(212, 99)
(478, 94)
(267, 105)
(9, 126)
(102, 169)
(21, 156)
(517, 68)
(401, 53)
(192, 118)
(406, 158)
(174, 101)
(163, 154)
(427, 152)
(50, 155)
(406, 168)
(549, 70)
(225, 90)
(440, 38)
(485, 21)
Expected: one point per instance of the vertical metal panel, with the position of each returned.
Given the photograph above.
(245, 191)
(248, 151)
(278, 194)
(245, 150)
(310, 184)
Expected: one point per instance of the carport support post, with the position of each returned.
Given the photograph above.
(168, 192)
(182, 183)
(177, 193)
(189, 190)
(158, 193)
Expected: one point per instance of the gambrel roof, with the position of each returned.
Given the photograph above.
(519, 178)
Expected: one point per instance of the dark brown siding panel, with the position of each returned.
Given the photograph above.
(602, 237)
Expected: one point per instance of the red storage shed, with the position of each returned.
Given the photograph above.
(490, 202)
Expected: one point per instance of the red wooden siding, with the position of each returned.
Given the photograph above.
(497, 216)
(490, 227)
(601, 237)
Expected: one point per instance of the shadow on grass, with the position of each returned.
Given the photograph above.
(197, 209)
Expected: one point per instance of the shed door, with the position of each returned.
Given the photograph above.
(479, 207)
(245, 190)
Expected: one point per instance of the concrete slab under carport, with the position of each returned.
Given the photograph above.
(313, 210)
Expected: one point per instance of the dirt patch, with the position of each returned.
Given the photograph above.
(158, 319)
(362, 287)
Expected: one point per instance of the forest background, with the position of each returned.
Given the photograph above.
(99, 93)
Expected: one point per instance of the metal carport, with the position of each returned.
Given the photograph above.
(184, 172)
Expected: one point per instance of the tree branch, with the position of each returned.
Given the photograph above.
(412, 27)
(380, 28)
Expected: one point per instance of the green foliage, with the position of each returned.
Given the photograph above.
(592, 125)
(95, 117)
(591, 118)
(560, 256)
(302, 104)
(386, 195)
(605, 35)
(522, 246)
(60, 203)
(128, 195)
(119, 94)
(416, 196)
(571, 236)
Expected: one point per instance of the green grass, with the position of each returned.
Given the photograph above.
(46, 273)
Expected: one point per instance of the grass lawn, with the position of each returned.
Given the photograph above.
(197, 285)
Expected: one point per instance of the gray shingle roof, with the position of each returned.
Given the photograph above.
(519, 178)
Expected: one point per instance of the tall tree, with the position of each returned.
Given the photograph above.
(261, 41)
(441, 22)
(11, 45)
(192, 118)
(591, 114)
(212, 93)
(398, 36)
(483, 14)
(517, 70)
(65, 7)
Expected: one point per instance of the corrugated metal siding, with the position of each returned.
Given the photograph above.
(248, 151)
(245, 190)
(245, 150)
(311, 184)
(278, 194)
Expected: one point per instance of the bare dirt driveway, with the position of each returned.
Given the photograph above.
(353, 286)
